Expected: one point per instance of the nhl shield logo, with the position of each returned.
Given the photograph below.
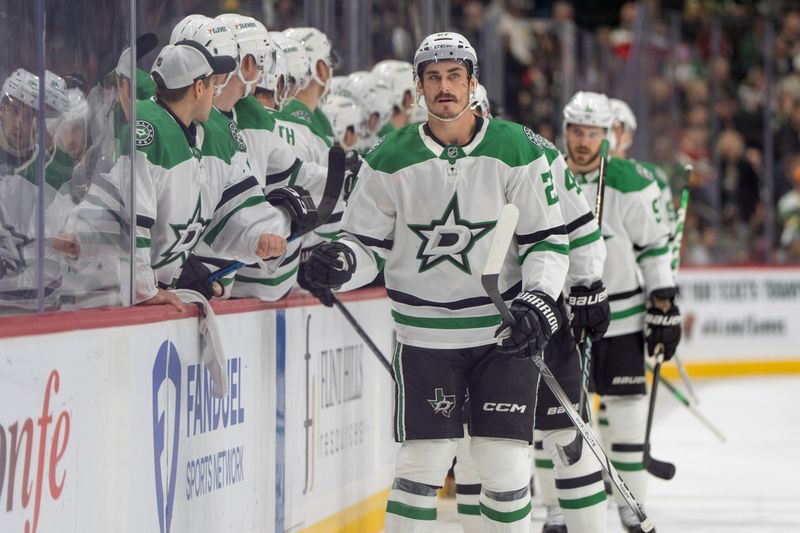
(452, 152)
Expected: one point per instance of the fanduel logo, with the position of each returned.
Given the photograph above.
(166, 429)
(46, 459)
(504, 407)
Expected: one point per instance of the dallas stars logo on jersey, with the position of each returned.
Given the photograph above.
(450, 238)
(186, 237)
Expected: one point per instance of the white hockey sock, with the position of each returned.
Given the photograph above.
(543, 466)
(468, 488)
(421, 468)
(624, 438)
(579, 487)
(505, 469)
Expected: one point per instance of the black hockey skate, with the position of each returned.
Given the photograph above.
(554, 523)
(629, 520)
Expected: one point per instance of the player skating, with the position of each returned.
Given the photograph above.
(636, 237)
(423, 211)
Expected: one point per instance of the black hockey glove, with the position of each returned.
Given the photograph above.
(537, 320)
(300, 206)
(589, 311)
(662, 327)
(329, 266)
(323, 294)
(195, 275)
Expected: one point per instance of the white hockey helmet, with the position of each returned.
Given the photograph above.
(399, 75)
(298, 66)
(373, 96)
(445, 46)
(343, 113)
(211, 33)
(480, 99)
(276, 66)
(339, 86)
(623, 114)
(24, 86)
(586, 108)
(317, 45)
(252, 37)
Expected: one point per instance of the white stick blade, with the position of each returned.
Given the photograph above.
(503, 233)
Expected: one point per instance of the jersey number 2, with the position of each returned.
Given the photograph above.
(549, 190)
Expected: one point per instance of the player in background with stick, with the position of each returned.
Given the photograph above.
(637, 235)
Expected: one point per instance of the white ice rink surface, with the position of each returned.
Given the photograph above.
(751, 483)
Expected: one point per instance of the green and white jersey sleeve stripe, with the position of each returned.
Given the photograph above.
(425, 214)
(636, 239)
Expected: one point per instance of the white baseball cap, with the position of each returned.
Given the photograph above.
(181, 64)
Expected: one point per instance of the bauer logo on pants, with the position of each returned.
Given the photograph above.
(166, 429)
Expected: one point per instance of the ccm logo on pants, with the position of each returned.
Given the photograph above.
(504, 407)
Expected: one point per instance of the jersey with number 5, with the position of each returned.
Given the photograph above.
(636, 233)
(425, 212)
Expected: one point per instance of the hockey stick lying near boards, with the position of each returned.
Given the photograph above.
(572, 450)
(504, 233)
(689, 405)
(330, 197)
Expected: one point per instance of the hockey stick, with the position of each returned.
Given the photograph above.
(572, 450)
(504, 233)
(330, 197)
(662, 469)
(363, 334)
(676, 250)
(689, 405)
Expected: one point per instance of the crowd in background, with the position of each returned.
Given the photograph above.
(713, 84)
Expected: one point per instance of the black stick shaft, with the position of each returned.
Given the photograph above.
(363, 334)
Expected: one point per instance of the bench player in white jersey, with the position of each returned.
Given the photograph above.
(423, 211)
(636, 238)
(270, 160)
(576, 490)
(399, 76)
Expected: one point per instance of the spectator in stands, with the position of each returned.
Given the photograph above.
(789, 215)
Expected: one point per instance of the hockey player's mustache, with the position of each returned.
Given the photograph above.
(449, 96)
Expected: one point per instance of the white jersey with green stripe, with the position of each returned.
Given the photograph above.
(275, 164)
(186, 194)
(636, 235)
(302, 129)
(424, 213)
(657, 174)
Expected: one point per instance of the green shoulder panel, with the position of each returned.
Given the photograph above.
(222, 137)
(158, 136)
(653, 171)
(397, 150)
(145, 87)
(386, 129)
(514, 144)
(322, 122)
(251, 115)
(297, 112)
(624, 175)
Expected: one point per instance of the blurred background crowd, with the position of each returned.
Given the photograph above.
(712, 83)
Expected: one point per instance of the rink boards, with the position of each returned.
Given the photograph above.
(107, 423)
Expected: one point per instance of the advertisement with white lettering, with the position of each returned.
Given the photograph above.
(743, 313)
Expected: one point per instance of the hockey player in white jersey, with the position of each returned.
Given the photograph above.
(345, 116)
(270, 159)
(374, 97)
(423, 211)
(575, 495)
(399, 76)
(624, 130)
(636, 237)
